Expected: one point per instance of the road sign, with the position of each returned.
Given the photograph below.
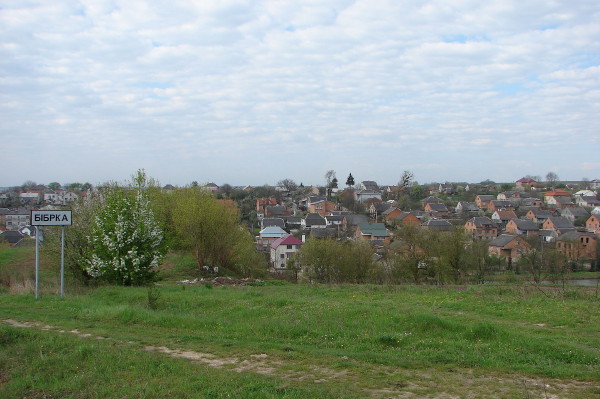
(51, 218)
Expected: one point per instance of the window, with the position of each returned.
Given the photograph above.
(289, 247)
(282, 256)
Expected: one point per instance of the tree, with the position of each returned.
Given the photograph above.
(288, 184)
(552, 178)
(75, 186)
(86, 186)
(350, 180)
(126, 243)
(227, 190)
(331, 261)
(54, 186)
(406, 180)
(211, 230)
(329, 176)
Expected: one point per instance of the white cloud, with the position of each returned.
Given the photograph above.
(199, 87)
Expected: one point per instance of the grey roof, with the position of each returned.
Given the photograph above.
(529, 201)
(482, 222)
(354, 220)
(431, 200)
(573, 236)
(334, 218)
(278, 210)
(486, 197)
(468, 206)
(370, 185)
(438, 207)
(389, 210)
(438, 224)
(541, 213)
(502, 240)
(577, 212)
(292, 219)
(314, 219)
(561, 222)
(381, 207)
(374, 229)
(266, 222)
(526, 225)
(502, 203)
(272, 231)
(11, 236)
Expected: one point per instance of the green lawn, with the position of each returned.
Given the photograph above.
(301, 341)
(352, 339)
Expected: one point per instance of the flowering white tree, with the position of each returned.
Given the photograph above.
(126, 244)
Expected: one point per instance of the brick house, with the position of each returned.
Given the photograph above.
(481, 228)
(502, 217)
(372, 232)
(496, 205)
(524, 227)
(593, 225)
(405, 218)
(559, 224)
(526, 182)
(509, 247)
(577, 245)
(323, 207)
(437, 210)
(483, 200)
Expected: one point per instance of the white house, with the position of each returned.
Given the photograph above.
(282, 249)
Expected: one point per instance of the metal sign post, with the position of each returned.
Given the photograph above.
(51, 218)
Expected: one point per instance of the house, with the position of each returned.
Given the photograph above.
(509, 247)
(31, 196)
(574, 213)
(378, 208)
(481, 228)
(369, 185)
(551, 197)
(437, 210)
(525, 227)
(262, 203)
(563, 202)
(559, 224)
(526, 182)
(483, 200)
(437, 225)
(405, 219)
(595, 184)
(353, 220)
(592, 225)
(372, 232)
(539, 215)
(268, 235)
(577, 245)
(322, 207)
(596, 210)
(431, 200)
(447, 189)
(293, 222)
(17, 218)
(502, 217)
(335, 221)
(496, 205)
(531, 202)
(589, 201)
(277, 211)
(362, 196)
(391, 213)
(466, 207)
(11, 238)
(268, 222)
(314, 221)
(211, 187)
(282, 249)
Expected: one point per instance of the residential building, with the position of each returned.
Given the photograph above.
(282, 249)
(574, 213)
(593, 224)
(577, 245)
(481, 228)
(509, 247)
(372, 232)
(559, 224)
(524, 227)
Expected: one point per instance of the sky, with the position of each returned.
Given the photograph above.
(250, 92)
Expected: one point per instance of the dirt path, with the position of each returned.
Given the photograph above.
(386, 382)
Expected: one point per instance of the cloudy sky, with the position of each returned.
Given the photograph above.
(251, 92)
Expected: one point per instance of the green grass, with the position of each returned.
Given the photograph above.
(369, 331)
(362, 341)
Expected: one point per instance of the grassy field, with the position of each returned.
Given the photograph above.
(301, 341)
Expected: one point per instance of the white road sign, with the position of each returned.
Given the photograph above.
(51, 218)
